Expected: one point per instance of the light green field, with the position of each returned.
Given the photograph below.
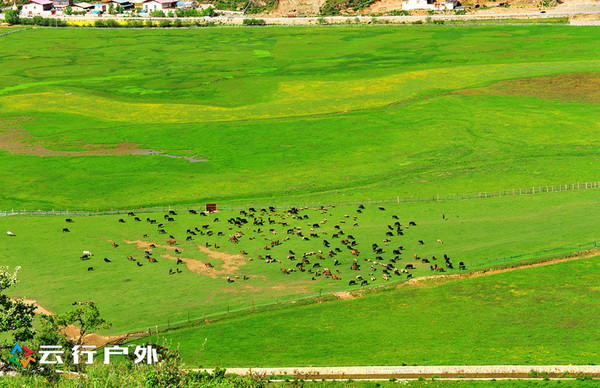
(293, 115)
(134, 298)
(535, 316)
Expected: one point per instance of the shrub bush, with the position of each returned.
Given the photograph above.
(255, 22)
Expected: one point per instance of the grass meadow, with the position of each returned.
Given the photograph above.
(105, 119)
(474, 231)
(534, 316)
(293, 115)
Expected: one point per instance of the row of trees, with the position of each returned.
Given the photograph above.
(181, 13)
(149, 23)
(12, 17)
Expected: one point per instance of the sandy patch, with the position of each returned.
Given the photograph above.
(344, 295)
(145, 245)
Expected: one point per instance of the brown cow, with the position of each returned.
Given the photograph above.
(336, 277)
(208, 265)
(171, 242)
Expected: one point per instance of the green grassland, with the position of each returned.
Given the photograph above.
(311, 114)
(534, 316)
(474, 231)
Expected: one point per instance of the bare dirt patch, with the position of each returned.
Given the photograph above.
(231, 263)
(72, 332)
(344, 295)
(146, 245)
(575, 87)
(15, 140)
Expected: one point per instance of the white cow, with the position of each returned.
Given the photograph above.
(9, 233)
(87, 253)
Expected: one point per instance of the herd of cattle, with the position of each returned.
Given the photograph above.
(333, 245)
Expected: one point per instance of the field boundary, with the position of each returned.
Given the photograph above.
(198, 208)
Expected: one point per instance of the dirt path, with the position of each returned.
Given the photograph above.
(415, 372)
(487, 272)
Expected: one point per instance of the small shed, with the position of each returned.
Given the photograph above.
(211, 207)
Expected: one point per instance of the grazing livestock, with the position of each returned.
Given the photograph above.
(66, 230)
(381, 208)
(208, 265)
(131, 214)
(87, 253)
(90, 268)
(420, 242)
(409, 266)
(179, 261)
(192, 211)
(230, 280)
(352, 283)
(11, 234)
(138, 263)
(106, 260)
(412, 223)
(171, 242)
(121, 220)
(137, 219)
(69, 220)
(461, 265)
(364, 283)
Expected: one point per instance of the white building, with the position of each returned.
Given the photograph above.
(159, 5)
(428, 4)
(38, 8)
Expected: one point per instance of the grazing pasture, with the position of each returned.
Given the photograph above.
(136, 292)
(311, 114)
(535, 316)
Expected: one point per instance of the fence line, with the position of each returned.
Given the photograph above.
(546, 254)
(432, 198)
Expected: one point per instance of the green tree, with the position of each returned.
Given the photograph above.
(15, 316)
(69, 10)
(86, 318)
(111, 9)
(120, 9)
(12, 16)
